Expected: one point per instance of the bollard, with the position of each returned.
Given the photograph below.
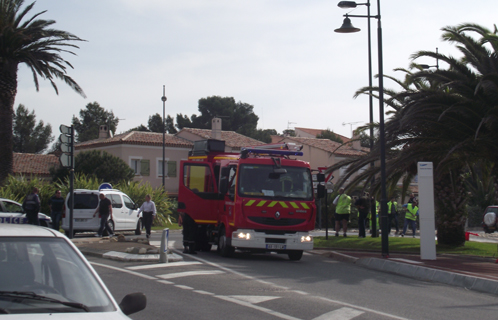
(163, 253)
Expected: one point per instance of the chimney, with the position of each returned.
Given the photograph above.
(356, 142)
(104, 132)
(216, 128)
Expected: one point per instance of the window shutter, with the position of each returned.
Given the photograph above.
(171, 168)
(145, 167)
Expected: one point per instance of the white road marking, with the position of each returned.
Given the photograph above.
(164, 265)
(204, 292)
(340, 314)
(255, 299)
(183, 287)
(165, 282)
(189, 274)
(362, 308)
(265, 310)
(124, 270)
(285, 288)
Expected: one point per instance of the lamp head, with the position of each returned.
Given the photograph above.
(347, 27)
(347, 4)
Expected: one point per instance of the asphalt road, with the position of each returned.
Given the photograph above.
(207, 286)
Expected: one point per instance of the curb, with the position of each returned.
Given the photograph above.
(429, 274)
(128, 257)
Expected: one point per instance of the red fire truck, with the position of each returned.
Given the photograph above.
(258, 200)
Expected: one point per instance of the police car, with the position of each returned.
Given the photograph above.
(43, 275)
(12, 212)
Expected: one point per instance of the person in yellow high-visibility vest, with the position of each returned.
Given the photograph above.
(410, 217)
(342, 211)
(392, 214)
(377, 209)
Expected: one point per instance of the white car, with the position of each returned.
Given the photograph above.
(12, 212)
(124, 212)
(44, 274)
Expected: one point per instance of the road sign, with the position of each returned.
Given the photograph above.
(65, 139)
(65, 129)
(65, 148)
(65, 160)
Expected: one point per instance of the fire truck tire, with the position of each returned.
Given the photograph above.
(295, 255)
(224, 247)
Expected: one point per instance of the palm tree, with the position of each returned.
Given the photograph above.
(447, 116)
(29, 41)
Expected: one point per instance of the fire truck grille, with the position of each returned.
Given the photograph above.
(274, 222)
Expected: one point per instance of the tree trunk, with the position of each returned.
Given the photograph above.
(450, 198)
(8, 91)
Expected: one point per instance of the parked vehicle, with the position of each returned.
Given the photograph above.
(259, 200)
(124, 213)
(44, 274)
(490, 219)
(12, 212)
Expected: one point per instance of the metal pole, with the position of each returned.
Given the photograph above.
(163, 98)
(71, 187)
(373, 211)
(163, 254)
(382, 141)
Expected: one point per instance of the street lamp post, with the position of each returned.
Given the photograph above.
(163, 98)
(347, 27)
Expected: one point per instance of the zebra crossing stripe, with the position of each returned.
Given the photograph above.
(343, 313)
(189, 274)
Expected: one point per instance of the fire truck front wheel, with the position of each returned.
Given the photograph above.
(295, 255)
(224, 244)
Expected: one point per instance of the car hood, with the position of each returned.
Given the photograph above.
(115, 315)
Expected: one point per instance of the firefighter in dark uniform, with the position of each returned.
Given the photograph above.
(189, 231)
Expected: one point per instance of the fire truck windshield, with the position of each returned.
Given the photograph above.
(262, 181)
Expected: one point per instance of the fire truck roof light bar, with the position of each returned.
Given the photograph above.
(273, 152)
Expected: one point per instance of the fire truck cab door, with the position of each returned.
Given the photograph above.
(200, 192)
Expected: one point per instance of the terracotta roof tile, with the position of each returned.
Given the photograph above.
(316, 132)
(330, 146)
(137, 138)
(36, 164)
(232, 139)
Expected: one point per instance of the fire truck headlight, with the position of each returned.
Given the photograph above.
(245, 236)
(306, 238)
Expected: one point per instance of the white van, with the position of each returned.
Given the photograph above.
(124, 212)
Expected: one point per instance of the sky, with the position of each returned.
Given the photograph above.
(280, 56)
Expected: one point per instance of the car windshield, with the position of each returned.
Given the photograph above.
(264, 181)
(46, 275)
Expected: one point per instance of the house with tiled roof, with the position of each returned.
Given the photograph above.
(143, 151)
(233, 140)
(30, 164)
(324, 152)
(313, 133)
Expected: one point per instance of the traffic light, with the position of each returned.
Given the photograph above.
(67, 142)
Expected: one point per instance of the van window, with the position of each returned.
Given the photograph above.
(84, 201)
(128, 203)
(116, 200)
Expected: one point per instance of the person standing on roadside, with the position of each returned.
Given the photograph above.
(363, 205)
(31, 206)
(342, 211)
(105, 211)
(410, 217)
(149, 214)
(392, 214)
(57, 206)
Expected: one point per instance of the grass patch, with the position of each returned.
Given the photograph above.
(405, 245)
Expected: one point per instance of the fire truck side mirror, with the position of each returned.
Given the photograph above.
(320, 191)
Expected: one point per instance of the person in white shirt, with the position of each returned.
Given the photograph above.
(149, 214)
